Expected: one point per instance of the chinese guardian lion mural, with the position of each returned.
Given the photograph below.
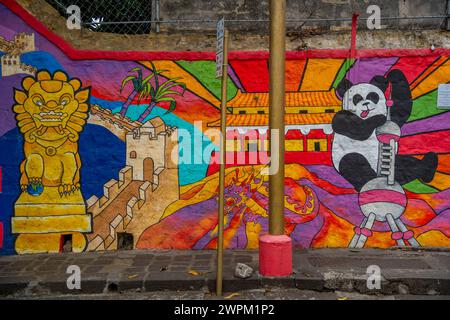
(51, 110)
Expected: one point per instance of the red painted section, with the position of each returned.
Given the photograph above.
(301, 157)
(308, 158)
(438, 142)
(353, 39)
(372, 196)
(420, 65)
(196, 55)
(316, 134)
(386, 138)
(275, 255)
(260, 83)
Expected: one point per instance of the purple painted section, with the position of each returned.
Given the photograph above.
(7, 120)
(435, 123)
(344, 206)
(363, 70)
(235, 78)
(329, 174)
(304, 233)
(439, 223)
(441, 203)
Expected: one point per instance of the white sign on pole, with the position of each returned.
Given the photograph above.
(219, 50)
(219, 64)
(443, 100)
(220, 28)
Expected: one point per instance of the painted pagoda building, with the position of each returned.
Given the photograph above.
(308, 132)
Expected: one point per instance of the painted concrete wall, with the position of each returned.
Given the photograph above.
(258, 10)
(76, 173)
(203, 37)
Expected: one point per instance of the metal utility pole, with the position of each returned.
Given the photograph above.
(275, 248)
(276, 113)
(222, 66)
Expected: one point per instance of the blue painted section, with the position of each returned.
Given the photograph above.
(41, 60)
(102, 156)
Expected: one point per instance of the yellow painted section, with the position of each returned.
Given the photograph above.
(50, 203)
(433, 238)
(311, 144)
(293, 145)
(288, 110)
(253, 230)
(52, 224)
(192, 84)
(440, 75)
(320, 74)
(47, 243)
(250, 110)
(441, 181)
(233, 145)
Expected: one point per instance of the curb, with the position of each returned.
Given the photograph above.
(339, 282)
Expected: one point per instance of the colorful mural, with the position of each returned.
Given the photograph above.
(98, 148)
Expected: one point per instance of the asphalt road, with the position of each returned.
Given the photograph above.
(256, 294)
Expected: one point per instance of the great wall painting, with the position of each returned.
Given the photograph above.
(139, 182)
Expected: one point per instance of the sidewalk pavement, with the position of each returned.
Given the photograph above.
(404, 271)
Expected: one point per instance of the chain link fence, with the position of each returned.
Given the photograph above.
(114, 16)
(308, 18)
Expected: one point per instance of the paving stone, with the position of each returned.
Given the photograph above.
(12, 284)
(181, 263)
(172, 281)
(141, 263)
(93, 269)
(338, 263)
(179, 268)
(203, 257)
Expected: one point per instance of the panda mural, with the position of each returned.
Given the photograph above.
(355, 150)
(364, 152)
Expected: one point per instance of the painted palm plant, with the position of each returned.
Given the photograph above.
(139, 85)
(160, 92)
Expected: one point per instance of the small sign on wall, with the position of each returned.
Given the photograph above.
(443, 101)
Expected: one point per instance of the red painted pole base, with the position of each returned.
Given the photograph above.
(275, 255)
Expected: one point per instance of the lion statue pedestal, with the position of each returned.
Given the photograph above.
(43, 221)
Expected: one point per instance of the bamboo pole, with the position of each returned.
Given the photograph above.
(223, 124)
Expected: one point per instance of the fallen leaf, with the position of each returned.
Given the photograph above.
(194, 272)
(343, 298)
(234, 294)
(132, 276)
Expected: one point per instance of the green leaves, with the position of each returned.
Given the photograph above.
(125, 81)
(157, 92)
(172, 107)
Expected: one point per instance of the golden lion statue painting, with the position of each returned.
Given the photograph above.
(50, 214)
(51, 113)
